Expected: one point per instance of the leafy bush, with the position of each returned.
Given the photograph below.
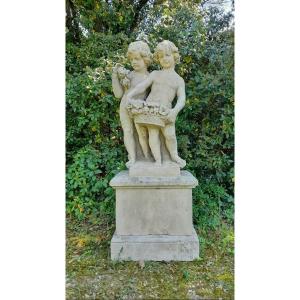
(95, 150)
(88, 179)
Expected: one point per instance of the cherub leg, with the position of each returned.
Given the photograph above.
(154, 143)
(129, 142)
(142, 133)
(171, 143)
(130, 145)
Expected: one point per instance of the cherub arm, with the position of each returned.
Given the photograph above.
(180, 102)
(180, 97)
(141, 87)
(116, 85)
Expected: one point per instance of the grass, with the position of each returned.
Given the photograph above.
(92, 275)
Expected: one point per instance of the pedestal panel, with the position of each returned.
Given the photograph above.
(154, 218)
(154, 211)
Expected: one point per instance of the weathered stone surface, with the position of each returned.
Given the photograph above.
(155, 247)
(123, 180)
(145, 168)
(154, 212)
(154, 205)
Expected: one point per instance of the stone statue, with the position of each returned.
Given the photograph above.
(154, 219)
(156, 113)
(123, 81)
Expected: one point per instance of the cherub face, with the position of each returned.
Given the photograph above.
(166, 59)
(137, 61)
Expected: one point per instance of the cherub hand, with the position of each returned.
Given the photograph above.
(171, 117)
(116, 68)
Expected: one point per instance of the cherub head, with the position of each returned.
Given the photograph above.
(139, 55)
(166, 54)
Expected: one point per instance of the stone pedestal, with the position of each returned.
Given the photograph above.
(146, 168)
(154, 218)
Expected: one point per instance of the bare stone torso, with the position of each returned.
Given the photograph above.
(164, 88)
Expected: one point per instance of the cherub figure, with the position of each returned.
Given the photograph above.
(165, 85)
(123, 81)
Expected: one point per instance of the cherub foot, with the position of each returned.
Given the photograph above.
(181, 162)
(129, 163)
(157, 164)
(146, 155)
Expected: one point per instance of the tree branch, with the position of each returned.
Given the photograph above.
(140, 5)
(71, 20)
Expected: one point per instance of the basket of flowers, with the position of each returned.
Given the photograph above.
(148, 113)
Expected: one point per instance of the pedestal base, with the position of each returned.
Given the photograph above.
(154, 218)
(147, 168)
(155, 247)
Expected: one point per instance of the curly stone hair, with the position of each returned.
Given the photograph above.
(165, 46)
(142, 48)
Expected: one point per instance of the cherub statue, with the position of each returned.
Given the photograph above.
(157, 113)
(123, 81)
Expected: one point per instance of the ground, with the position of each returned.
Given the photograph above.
(92, 275)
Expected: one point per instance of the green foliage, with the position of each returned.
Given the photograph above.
(205, 127)
(212, 203)
(105, 16)
(185, 274)
(88, 190)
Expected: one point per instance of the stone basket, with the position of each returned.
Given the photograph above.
(146, 113)
(145, 119)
